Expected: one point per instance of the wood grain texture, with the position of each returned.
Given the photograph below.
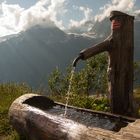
(121, 64)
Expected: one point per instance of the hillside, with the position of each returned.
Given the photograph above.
(31, 55)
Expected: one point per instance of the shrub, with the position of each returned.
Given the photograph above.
(89, 80)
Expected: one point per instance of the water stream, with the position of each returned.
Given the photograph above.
(89, 119)
(86, 118)
(69, 91)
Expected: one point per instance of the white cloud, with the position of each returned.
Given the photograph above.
(14, 19)
(137, 14)
(121, 5)
(57, 8)
(84, 24)
(9, 18)
(87, 23)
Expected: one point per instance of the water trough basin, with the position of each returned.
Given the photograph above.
(40, 118)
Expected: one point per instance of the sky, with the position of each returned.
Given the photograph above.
(77, 16)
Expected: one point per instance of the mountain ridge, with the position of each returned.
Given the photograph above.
(32, 55)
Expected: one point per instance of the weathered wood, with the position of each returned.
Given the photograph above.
(120, 46)
(121, 63)
(38, 124)
(96, 49)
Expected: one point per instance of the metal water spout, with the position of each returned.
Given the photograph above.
(95, 49)
(120, 47)
(74, 63)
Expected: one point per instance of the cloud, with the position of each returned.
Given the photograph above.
(137, 14)
(120, 5)
(57, 8)
(14, 19)
(85, 23)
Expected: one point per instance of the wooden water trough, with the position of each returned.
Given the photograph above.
(39, 118)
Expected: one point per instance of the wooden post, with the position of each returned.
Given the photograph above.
(121, 63)
(120, 46)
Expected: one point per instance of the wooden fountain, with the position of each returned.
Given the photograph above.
(31, 115)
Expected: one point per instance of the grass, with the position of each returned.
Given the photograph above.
(137, 100)
(137, 93)
(83, 101)
(8, 93)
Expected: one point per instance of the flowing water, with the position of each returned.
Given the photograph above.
(80, 116)
(69, 91)
(89, 119)
(86, 118)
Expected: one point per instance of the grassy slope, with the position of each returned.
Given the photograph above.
(8, 93)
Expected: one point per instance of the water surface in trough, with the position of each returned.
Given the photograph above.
(89, 119)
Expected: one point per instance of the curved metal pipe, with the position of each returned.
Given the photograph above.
(96, 49)
(89, 52)
(76, 60)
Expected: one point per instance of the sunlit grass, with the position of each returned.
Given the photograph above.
(8, 93)
(137, 93)
(137, 100)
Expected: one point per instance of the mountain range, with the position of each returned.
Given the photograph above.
(32, 55)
